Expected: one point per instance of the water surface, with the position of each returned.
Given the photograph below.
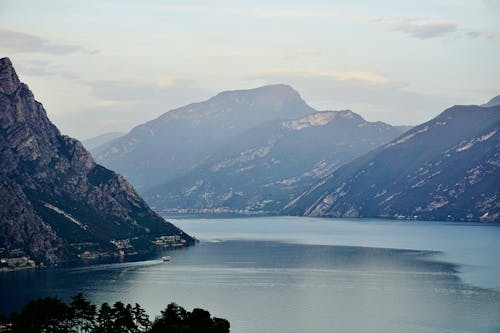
(305, 275)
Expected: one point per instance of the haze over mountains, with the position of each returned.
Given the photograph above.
(269, 165)
(265, 150)
(249, 150)
(261, 150)
(99, 140)
(56, 203)
(178, 141)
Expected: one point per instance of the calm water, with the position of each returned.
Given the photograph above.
(305, 275)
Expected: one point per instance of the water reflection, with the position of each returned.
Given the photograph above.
(267, 286)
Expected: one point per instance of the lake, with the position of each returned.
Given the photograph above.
(293, 274)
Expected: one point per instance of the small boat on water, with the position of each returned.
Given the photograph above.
(166, 258)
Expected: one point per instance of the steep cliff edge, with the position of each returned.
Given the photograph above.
(56, 203)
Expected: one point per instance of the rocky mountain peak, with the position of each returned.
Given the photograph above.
(444, 169)
(178, 140)
(458, 113)
(54, 197)
(323, 118)
(276, 98)
(9, 82)
(348, 114)
(278, 91)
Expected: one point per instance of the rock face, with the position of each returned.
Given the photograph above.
(445, 169)
(179, 140)
(269, 165)
(247, 150)
(55, 201)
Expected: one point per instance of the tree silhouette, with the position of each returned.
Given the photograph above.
(105, 319)
(141, 318)
(51, 315)
(175, 319)
(84, 314)
(48, 314)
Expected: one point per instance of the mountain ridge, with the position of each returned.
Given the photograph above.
(55, 198)
(492, 102)
(446, 168)
(265, 166)
(177, 141)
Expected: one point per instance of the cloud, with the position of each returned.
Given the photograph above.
(44, 68)
(472, 34)
(495, 36)
(300, 53)
(358, 75)
(20, 42)
(372, 95)
(423, 29)
(335, 74)
(253, 54)
(119, 106)
(492, 5)
(163, 89)
(293, 14)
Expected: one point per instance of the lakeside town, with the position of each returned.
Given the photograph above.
(17, 259)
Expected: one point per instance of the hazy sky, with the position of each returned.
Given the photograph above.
(108, 65)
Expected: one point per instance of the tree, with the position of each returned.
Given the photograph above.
(141, 318)
(174, 314)
(199, 321)
(48, 314)
(175, 319)
(51, 315)
(220, 326)
(124, 319)
(84, 314)
(105, 319)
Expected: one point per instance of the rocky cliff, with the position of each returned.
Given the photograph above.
(444, 169)
(55, 201)
(266, 167)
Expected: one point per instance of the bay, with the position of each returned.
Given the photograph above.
(291, 274)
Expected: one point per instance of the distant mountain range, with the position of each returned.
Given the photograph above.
(256, 151)
(264, 168)
(56, 203)
(240, 151)
(180, 140)
(99, 140)
(444, 169)
(266, 151)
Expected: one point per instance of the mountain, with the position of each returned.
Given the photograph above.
(403, 128)
(492, 102)
(56, 203)
(180, 140)
(444, 169)
(270, 164)
(99, 140)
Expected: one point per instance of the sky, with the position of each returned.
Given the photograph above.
(109, 65)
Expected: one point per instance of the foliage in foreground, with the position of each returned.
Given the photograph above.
(52, 315)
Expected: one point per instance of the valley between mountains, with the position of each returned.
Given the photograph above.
(265, 151)
(261, 151)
